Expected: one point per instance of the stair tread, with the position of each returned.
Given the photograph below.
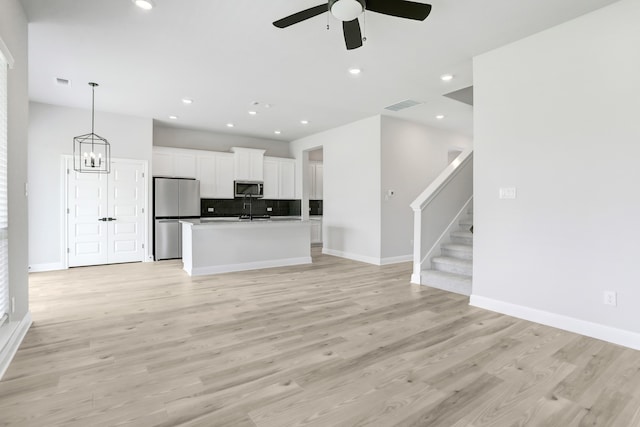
(458, 247)
(438, 273)
(462, 233)
(452, 260)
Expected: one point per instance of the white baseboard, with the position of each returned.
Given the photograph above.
(11, 336)
(396, 259)
(571, 324)
(354, 257)
(36, 268)
(228, 268)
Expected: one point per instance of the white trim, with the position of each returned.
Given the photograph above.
(571, 324)
(396, 259)
(354, 257)
(441, 181)
(11, 337)
(416, 279)
(257, 265)
(51, 266)
(4, 50)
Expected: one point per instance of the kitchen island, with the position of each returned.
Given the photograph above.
(222, 245)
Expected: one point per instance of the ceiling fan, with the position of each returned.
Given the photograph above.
(348, 11)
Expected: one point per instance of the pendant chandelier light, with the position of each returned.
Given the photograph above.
(91, 152)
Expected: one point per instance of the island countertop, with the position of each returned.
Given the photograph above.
(221, 245)
(235, 221)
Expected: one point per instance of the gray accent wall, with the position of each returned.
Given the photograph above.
(165, 136)
(557, 118)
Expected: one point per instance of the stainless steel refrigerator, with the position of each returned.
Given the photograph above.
(173, 199)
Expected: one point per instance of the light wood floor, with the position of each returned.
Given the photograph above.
(338, 343)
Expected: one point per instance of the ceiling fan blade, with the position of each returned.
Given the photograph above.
(352, 35)
(301, 16)
(400, 8)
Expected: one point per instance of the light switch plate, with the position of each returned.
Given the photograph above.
(508, 193)
(269, 209)
(209, 209)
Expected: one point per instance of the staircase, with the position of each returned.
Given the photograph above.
(452, 269)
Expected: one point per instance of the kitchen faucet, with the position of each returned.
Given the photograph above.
(250, 205)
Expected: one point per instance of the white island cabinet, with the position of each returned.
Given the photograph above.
(221, 246)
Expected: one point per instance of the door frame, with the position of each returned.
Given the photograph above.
(66, 165)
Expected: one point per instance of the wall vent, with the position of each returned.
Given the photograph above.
(403, 105)
(63, 82)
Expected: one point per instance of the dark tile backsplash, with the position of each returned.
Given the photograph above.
(235, 207)
(315, 207)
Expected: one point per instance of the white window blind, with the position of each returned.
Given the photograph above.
(4, 222)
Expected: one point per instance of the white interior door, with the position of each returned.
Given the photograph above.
(125, 233)
(106, 218)
(87, 203)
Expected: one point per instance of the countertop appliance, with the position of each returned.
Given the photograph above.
(173, 199)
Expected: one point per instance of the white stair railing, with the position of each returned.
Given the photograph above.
(438, 208)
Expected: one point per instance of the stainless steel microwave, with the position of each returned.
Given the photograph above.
(249, 188)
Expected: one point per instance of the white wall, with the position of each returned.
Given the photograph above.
(203, 140)
(51, 132)
(413, 155)
(351, 193)
(556, 116)
(13, 32)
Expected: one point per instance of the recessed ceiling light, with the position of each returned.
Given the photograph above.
(187, 101)
(277, 132)
(267, 105)
(229, 125)
(446, 77)
(304, 122)
(440, 116)
(173, 117)
(253, 113)
(355, 71)
(144, 4)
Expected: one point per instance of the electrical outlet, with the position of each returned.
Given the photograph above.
(271, 209)
(210, 209)
(610, 298)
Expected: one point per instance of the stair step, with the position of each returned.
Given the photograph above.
(466, 222)
(456, 250)
(452, 265)
(464, 237)
(451, 282)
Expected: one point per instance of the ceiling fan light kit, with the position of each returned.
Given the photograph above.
(348, 11)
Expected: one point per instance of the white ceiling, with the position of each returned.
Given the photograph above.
(226, 54)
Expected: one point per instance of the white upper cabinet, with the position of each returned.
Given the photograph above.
(287, 179)
(279, 178)
(174, 162)
(215, 172)
(224, 176)
(248, 164)
(271, 178)
(315, 180)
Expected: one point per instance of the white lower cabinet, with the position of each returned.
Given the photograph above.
(316, 230)
(279, 178)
